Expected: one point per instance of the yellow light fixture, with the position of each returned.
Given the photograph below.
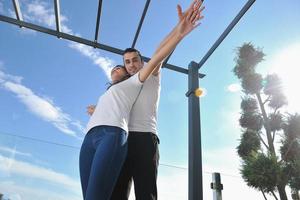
(198, 92)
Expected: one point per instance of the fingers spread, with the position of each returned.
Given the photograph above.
(179, 11)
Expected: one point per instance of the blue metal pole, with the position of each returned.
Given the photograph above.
(195, 154)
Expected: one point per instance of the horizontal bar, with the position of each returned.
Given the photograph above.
(17, 10)
(140, 23)
(173, 67)
(226, 32)
(169, 56)
(82, 41)
(57, 15)
(60, 34)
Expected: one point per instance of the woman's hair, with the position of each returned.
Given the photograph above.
(122, 79)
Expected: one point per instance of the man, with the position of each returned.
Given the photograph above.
(143, 156)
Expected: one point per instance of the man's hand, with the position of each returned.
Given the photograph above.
(194, 6)
(191, 18)
(90, 109)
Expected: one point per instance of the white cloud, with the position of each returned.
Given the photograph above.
(235, 87)
(7, 77)
(13, 151)
(12, 13)
(229, 115)
(77, 124)
(1, 7)
(103, 62)
(42, 107)
(217, 160)
(15, 191)
(25, 169)
(40, 12)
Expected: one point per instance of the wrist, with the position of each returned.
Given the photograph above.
(179, 36)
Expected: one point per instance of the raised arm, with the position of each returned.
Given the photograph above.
(188, 23)
(194, 6)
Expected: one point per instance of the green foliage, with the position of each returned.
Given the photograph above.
(247, 59)
(276, 121)
(292, 127)
(252, 83)
(273, 88)
(249, 104)
(252, 121)
(264, 171)
(261, 172)
(277, 101)
(290, 150)
(272, 84)
(250, 144)
(294, 181)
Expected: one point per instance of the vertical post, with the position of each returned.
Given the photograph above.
(57, 15)
(98, 20)
(17, 10)
(216, 186)
(195, 156)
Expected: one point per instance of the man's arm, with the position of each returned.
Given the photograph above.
(158, 67)
(194, 6)
(183, 28)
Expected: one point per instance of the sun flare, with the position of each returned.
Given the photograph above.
(287, 65)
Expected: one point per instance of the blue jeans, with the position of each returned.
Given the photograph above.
(102, 155)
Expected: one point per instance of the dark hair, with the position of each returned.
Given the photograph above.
(129, 50)
(117, 66)
(124, 78)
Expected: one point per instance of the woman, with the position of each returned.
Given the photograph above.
(105, 145)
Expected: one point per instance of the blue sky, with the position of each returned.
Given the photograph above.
(46, 84)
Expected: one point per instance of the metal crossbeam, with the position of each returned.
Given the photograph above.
(140, 24)
(195, 152)
(17, 10)
(227, 31)
(167, 59)
(57, 15)
(98, 20)
(82, 41)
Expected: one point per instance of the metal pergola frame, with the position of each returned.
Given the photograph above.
(195, 184)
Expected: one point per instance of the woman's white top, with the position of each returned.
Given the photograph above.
(114, 106)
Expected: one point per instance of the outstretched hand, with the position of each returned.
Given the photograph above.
(195, 5)
(90, 109)
(190, 19)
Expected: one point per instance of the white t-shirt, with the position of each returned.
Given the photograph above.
(143, 116)
(114, 105)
